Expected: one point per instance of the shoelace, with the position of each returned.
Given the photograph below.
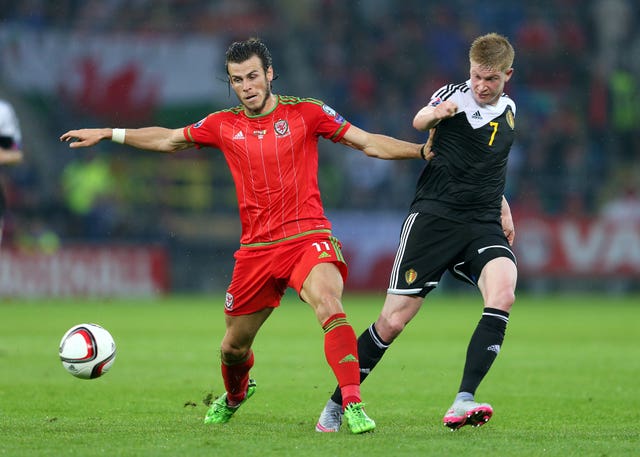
(222, 408)
(356, 408)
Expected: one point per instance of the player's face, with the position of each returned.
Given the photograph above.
(252, 84)
(488, 84)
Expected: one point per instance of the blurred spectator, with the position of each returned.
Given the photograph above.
(623, 208)
(10, 148)
(614, 22)
(621, 198)
(625, 114)
(88, 184)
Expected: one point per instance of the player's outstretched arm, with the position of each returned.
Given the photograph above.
(381, 146)
(158, 139)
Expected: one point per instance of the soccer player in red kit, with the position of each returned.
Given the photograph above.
(270, 144)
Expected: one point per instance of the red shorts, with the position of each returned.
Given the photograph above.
(262, 274)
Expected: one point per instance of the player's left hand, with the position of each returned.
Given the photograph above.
(507, 221)
(508, 228)
(428, 152)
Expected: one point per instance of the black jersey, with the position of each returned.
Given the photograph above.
(465, 180)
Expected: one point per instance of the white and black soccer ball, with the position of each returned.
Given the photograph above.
(87, 351)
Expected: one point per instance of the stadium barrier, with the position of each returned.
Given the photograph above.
(85, 270)
(565, 252)
(563, 249)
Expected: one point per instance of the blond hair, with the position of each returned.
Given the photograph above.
(492, 51)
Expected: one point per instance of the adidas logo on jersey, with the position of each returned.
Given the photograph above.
(476, 115)
(239, 136)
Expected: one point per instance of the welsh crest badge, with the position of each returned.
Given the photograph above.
(281, 127)
(228, 301)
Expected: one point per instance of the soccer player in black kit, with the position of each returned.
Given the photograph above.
(458, 221)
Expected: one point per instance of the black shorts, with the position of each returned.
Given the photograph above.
(430, 245)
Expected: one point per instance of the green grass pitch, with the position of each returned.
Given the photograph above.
(565, 383)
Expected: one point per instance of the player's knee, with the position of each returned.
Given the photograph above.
(389, 327)
(232, 354)
(327, 306)
(502, 299)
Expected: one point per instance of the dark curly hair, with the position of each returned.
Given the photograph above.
(240, 51)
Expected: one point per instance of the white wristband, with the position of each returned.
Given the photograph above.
(117, 135)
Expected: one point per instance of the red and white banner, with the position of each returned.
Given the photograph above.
(577, 247)
(130, 271)
(561, 248)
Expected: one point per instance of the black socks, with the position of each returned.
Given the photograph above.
(484, 347)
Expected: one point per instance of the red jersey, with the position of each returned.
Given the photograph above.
(273, 159)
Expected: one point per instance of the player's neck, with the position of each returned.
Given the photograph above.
(272, 101)
(269, 105)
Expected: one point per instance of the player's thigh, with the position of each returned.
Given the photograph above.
(484, 242)
(497, 283)
(428, 244)
(254, 284)
(318, 273)
(241, 330)
(322, 290)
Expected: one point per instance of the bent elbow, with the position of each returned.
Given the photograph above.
(419, 124)
(172, 147)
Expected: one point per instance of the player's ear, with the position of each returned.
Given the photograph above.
(508, 74)
(270, 73)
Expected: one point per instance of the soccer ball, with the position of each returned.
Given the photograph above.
(87, 351)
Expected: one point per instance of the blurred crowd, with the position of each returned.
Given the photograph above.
(576, 86)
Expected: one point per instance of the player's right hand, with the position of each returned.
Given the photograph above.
(445, 110)
(85, 137)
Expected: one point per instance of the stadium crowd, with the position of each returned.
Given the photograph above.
(576, 83)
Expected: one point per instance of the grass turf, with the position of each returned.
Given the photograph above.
(564, 384)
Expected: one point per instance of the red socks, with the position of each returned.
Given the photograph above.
(341, 351)
(236, 379)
